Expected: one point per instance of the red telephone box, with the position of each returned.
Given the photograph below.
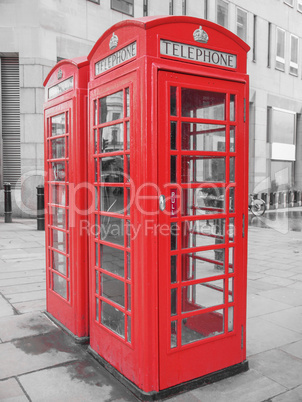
(65, 128)
(168, 158)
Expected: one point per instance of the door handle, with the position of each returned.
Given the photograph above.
(162, 202)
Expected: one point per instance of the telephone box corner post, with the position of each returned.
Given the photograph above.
(7, 203)
(40, 208)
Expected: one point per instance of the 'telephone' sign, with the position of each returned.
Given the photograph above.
(195, 53)
(119, 57)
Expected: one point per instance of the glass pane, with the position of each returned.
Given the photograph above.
(173, 268)
(95, 108)
(202, 326)
(202, 104)
(232, 107)
(202, 295)
(112, 169)
(203, 201)
(113, 289)
(204, 264)
(113, 318)
(96, 198)
(95, 148)
(173, 108)
(58, 217)
(173, 334)
(174, 230)
(58, 124)
(112, 230)
(96, 245)
(231, 290)
(231, 229)
(128, 201)
(112, 199)
(128, 168)
(59, 262)
(128, 134)
(59, 285)
(202, 169)
(57, 171)
(111, 107)
(112, 260)
(222, 13)
(97, 281)
(97, 309)
(173, 131)
(232, 139)
(203, 233)
(129, 329)
(128, 297)
(59, 240)
(232, 200)
(202, 137)
(232, 169)
(173, 301)
(128, 266)
(127, 92)
(231, 260)
(173, 169)
(230, 319)
(112, 138)
(95, 170)
(57, 148)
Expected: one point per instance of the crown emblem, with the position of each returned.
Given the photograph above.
(60, 74)
(113, 41)
(200, 35)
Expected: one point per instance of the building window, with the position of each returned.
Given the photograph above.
(299, 5)
(241, 23)
(269, 35)
(171, 6)
(280, 54)
(254, 37)
(289, 2)
(95, 1)
(124, 6)
(222, 13)
(294, 45)
(184, 7)
(205, 12)
(145, 11)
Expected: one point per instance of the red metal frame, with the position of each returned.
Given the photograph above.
(66, 195)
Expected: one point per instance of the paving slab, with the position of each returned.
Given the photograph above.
(280, 366)
(295, 349)
(294, 395)
(25, 325)
(23, 288)
(258, 305)
(11, 391)
(76, 382)
(285, 295)
(26, 296)
(35, 353)
(290, 318)
(29, 306)
(6, 308)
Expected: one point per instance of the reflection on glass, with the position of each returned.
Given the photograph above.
(231, 230)
(128, 265)
(232, 169)
(59, 240)
(95, 170)
(96, 254)
(173, 301)
(203, 201)
(57, 171)
(231, 260)
(113, 289)
(231, 290)
(232, 139)
(232, 107)
(202, 137)
(173, 169)
(59, 262)
(95, 143)
(173, 268)
(58, 217)
(231, 319)
(173, 334)
(112, 138)
(112, 199)
(112, 169)
(97, 309)
(173, 110)
(232, 200)
(128, 168)
(203, 264)
(127, 92)
(96, 198)
(173, 127)
(112, 230)
(128, 297)
(202, 295)
(203, 233)
(59, 285)
(128, 134)
(202, 104)
(202, 169)
(173, 229)
(111, 107)
(129, 328)
(58, 124)
(95, 112)
(113, 318)
(112, 260)
(97, 281)
(202, 326)
(57, 148)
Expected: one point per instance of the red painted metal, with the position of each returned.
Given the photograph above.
(65, 127)
(164, 310)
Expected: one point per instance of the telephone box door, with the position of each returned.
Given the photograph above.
(202, 245)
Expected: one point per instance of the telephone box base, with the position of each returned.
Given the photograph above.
(83, 340)
(177, 389)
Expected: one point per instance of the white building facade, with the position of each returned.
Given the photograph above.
(35, 34)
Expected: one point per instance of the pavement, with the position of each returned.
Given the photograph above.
(40, 362)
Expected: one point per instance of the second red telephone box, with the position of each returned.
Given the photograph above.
(168, 157)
